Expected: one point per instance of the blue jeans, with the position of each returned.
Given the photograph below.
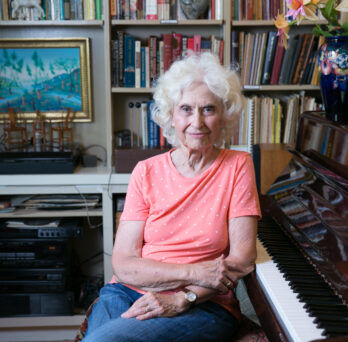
(204, 322)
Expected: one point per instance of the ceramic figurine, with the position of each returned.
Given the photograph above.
(27, 9)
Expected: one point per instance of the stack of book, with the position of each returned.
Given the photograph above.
(275, 118)
(159, 10)
(258, 9)
(263, 59)
(58, 10)
(135, 64)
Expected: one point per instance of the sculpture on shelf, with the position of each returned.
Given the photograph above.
(27, 9)
(193, 9)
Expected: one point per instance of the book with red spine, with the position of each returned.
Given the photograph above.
(167, 50)
(177, 46)
(197, 39)
(277, 63)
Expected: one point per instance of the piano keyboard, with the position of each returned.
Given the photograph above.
(305, 305)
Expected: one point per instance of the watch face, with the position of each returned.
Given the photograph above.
(190, 296)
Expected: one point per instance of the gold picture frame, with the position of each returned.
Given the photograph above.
(49, 74)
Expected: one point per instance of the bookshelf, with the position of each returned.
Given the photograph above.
(249, 41)
(120, 97)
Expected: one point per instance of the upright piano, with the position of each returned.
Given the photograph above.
(300, 286)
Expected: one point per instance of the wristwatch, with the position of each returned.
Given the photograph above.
(190, 296)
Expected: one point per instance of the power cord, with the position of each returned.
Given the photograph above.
(90, 225)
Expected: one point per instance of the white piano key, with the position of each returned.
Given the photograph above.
(297, 324)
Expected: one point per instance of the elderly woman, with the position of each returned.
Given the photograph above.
(188, 229)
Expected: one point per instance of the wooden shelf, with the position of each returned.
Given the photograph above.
(32, 213)
(143, 22)
(236, 23)
(51, 22)
(122, 90)
(279, 87)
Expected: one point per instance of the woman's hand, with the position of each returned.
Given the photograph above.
(220, 274)
(153, 304)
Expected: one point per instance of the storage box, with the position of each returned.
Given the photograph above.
(127, 158)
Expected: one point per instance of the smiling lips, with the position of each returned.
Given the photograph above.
(197, 134)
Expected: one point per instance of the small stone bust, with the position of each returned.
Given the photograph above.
(193, 9)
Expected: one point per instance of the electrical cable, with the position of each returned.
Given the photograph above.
(90, 225)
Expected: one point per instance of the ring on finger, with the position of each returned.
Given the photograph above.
(147, 309)
(228, 284)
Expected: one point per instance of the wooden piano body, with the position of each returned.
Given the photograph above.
(300, 287)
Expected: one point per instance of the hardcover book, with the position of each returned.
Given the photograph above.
(129, 61)
(269, 57)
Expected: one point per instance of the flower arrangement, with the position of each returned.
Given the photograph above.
(308, 9)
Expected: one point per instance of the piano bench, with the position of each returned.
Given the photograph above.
(248, 331)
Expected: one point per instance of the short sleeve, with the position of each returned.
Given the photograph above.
(135, 207)
(245, 199)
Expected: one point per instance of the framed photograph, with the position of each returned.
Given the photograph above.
(49, 75)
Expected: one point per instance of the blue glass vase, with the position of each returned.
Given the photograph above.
(333, 66)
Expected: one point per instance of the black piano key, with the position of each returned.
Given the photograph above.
(317, 297)
(335, 327)
(328, 317)
(333, 306)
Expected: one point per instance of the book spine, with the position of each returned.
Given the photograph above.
(177, 47)
(153, 129)
(98, 10)
(184, 46)
(147, 67)
(167, 50)
(153, 59)
(144, 127)
(160, 59)
(142, 68)
(151, 10)
(133, 9)
(221, 51)
(114, 63)
(278, 58)
(67, 11)
(61, 9)
(270, 50)
(129, 61)
(113, 9)
(137, 63)
(218, 10)
(197, 39)
(120, 38)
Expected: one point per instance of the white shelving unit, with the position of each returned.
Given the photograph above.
(98, 180)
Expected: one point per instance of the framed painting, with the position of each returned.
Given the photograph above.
(49, 75)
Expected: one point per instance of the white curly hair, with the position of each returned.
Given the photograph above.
(221, 81)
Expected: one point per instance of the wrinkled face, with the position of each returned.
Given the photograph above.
(198, 117)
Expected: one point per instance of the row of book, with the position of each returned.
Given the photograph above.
(161, 10)
(54, 10)
(143, 131)
(259, 9)
(264, 60)
(275, 121)
(275, 118)
(137, 64)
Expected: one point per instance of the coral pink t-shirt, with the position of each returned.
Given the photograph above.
(186, 219)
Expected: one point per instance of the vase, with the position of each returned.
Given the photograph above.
(333, 66)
